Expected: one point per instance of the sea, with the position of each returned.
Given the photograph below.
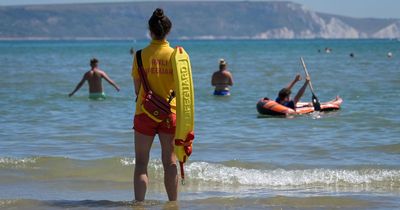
(60, 152)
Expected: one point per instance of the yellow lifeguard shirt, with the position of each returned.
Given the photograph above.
(156, 59)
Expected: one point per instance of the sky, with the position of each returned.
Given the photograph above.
(352, 8)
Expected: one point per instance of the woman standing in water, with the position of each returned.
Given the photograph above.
(222, 79)
(158, 71)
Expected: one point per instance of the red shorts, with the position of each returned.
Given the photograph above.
(145, 125)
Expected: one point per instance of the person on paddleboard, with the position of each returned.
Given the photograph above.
(94, 77)
(156, 73)
(284, 94)
(222, 79)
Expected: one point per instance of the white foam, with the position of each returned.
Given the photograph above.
(16, 161)
(127, 161)
(218, 173)
(281, 177)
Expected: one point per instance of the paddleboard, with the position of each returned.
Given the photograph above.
(184, 93)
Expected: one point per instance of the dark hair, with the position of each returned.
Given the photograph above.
(284, 93)
(93, 62)
(159, 24)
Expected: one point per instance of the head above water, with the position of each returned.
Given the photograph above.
(284, 94)
(94, 62)
(159, 25)
(222, 64)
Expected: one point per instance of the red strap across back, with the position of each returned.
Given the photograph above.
(142, 73)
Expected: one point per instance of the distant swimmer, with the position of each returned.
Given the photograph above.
(222, 79)
(328, 50)
(284, 94)
(389, 54)
(132, 51)
(94, 77)
(352, 55)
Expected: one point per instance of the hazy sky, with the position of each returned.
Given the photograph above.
(353, 8)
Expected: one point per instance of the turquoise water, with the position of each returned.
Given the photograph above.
(60, 152)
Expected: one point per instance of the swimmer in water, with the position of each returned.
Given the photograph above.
(222, 79)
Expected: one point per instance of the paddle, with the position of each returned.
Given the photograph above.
(315, 101)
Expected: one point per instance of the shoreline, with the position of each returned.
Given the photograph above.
(179, 39)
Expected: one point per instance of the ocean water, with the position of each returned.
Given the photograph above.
(58, 152)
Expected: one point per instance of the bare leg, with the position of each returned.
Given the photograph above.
(169, 163)
(142, 155)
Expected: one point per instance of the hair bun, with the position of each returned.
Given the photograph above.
(159, 24)
(158, 13)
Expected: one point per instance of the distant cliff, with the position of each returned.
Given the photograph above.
(191, 20)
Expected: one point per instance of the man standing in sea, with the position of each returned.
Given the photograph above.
(94, 77)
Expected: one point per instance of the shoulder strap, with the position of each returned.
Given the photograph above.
(143, 76)
(142, 73)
